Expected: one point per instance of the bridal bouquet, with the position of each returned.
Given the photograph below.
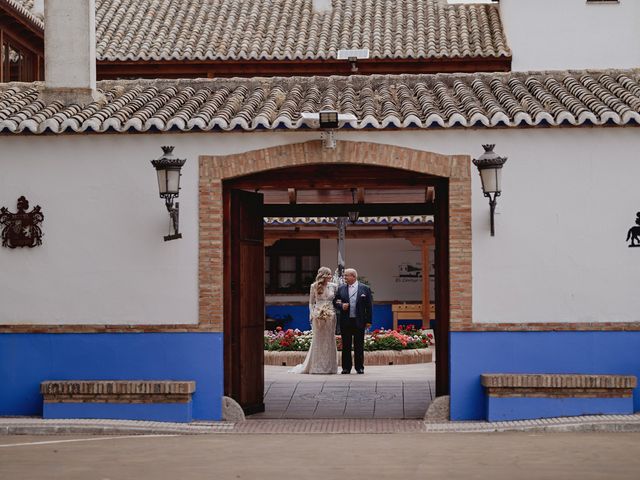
(324, 312)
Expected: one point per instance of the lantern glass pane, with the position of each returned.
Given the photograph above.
(162, 181)
(490, 180)
(173, 181)
(499, 180)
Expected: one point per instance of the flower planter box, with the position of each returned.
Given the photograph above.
(378, 357)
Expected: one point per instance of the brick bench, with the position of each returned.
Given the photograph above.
(511, 396)
(168, 401)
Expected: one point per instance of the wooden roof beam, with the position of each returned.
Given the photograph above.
(416, 236)
(341, 210)
(430, 195)
(293, 196)
(249, 68)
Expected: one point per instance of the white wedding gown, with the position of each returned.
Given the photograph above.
(322, 357)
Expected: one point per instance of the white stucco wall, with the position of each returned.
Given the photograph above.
(569, 197)
(571, 34)
(103, 258)
(559, 254)
(383, 273)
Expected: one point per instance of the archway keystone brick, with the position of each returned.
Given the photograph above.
(215, 169)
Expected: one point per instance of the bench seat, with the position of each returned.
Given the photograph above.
(512, 396)
(167, 401)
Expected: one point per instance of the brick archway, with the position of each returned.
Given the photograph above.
(451, 175)
(215, 169)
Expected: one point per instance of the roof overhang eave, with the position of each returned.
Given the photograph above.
(21, 16)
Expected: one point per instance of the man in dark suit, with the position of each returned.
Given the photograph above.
(354, 303)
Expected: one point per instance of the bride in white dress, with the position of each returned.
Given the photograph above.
(322, 357)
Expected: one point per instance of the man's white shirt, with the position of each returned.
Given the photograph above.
(353, 298)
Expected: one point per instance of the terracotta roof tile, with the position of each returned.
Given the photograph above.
(516, 99)
(291, 30)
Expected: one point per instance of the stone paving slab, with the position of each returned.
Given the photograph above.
(593, 423)
(393, 392)
(399, 373)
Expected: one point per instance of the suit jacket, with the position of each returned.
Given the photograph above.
(364, 306)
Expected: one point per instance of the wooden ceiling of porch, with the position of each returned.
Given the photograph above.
(341, 196)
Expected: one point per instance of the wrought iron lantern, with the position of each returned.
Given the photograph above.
(353, 214)
(168, 169)
(490, 167)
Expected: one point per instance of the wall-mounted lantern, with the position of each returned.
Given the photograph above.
(490, 167)
(168, 169)
(328, 121)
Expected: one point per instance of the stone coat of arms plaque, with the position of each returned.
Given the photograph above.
(21, 229)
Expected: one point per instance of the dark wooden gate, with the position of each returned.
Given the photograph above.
(244, 319)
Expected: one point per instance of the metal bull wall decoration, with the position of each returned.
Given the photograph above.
(21, 229)
(633, 234)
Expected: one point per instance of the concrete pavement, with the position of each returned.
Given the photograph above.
(38, 426)
(330, 413)
(582, 456)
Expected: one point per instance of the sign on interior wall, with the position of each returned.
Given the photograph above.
(21, 229)
(409, 272)
(633, 235)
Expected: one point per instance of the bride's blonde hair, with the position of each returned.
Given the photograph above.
(323, 272)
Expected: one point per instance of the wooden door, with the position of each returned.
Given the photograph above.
(244, 303)
(442, 327)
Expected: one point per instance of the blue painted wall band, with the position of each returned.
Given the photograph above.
(504, 409)
(28, 359)
(156, 412)
(297, 316)
(582, 352)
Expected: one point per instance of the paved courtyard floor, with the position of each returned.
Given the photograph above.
(394, 391)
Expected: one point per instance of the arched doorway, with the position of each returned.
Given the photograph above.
(231, 248)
